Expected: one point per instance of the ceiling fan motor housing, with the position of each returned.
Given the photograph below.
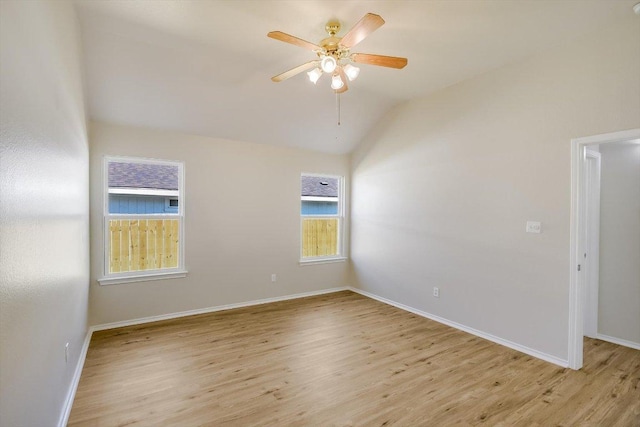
(331, 44)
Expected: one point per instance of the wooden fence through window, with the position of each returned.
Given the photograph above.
(143, 244)
(319, 237)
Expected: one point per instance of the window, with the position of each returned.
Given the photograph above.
(143, 219)
(321, 212)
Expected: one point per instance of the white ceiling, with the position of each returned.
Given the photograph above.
(204, 67)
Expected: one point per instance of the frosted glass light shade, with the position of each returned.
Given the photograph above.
(351, 72)
(336, 82)
(314, 75)
(328, 64)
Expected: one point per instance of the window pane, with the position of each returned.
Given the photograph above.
(319, 208)
(142, 188)
(319, 237)
(319, 195)
(143, 244)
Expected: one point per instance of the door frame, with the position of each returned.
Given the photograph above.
(576, 244)
(591, 250)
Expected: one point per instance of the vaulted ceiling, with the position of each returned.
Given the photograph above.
(204, 67)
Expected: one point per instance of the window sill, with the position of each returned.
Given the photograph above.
(142, 277)
(311, 261)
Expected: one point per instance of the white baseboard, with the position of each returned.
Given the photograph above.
(213, 309)
(71, 394)
(515, 346)
(619, 341)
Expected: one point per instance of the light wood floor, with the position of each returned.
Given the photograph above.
(341, 360)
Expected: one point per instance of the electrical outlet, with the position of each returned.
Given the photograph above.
(436, 292)
(534, 227)
(274, 278)
(66, 353)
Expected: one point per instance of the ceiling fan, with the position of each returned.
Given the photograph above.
(334, 56)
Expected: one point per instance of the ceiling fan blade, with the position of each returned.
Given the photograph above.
(288, 38)
(344, 87)
(292, 72)
(367, 25)
(381, 60)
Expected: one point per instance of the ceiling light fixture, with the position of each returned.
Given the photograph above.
(314, 75)
(351, 72)
(636, 8)
(328, 64)
(336, 82)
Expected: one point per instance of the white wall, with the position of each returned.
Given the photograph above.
(619, 291)
(242, 223)
(44, 210)
(442, 189)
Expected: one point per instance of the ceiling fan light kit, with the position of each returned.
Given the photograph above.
(336, 82)
(334, 53)
(314, 75)
(351, 72)
(328, 64)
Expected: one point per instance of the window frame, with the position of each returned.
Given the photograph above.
(340, 256)
(143, 275)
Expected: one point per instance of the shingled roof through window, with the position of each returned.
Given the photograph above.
(143, 175)
(319, 186)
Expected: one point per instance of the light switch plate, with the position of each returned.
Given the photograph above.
(534, 227)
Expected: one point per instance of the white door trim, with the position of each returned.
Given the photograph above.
(591, 251)
(576, 278)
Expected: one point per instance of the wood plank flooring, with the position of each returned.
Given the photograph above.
(340, 360)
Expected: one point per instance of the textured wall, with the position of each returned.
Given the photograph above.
(443, 188)
(44, 211)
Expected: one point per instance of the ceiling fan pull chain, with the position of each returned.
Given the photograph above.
(338, 106)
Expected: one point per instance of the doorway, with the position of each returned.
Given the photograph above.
(591, 232)
(583, 274)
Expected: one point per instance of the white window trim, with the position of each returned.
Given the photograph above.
(166, 274)
(340, 257)
(322, 260)
(145, 275)
(317, 198)
(144, 192)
